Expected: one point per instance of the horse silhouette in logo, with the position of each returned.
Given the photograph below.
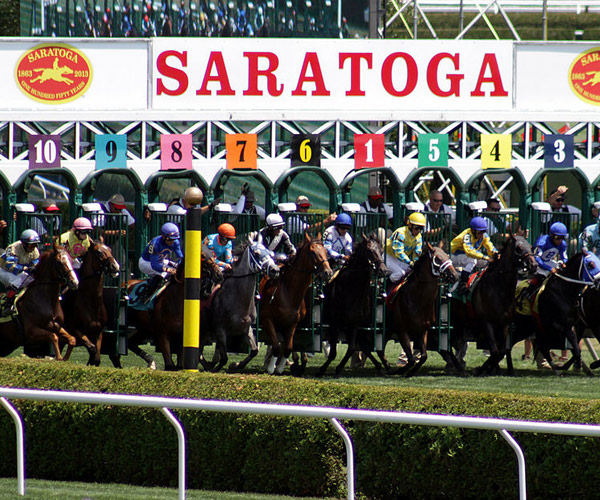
(55, 73)
(594, 78)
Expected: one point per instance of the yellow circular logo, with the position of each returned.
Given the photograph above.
(584, 76)
(53, 73)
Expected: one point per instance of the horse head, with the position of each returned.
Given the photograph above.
(63, 267)
(524, 254)
(104, 261)
(441, 265)
(261, 260)
(318, 255)
(590, 272)
(209, 264)
(374, 254)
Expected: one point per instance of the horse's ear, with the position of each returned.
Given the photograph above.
(430, 247)
(307, 237)
(440, 245)
(520, 231)
(364, 236)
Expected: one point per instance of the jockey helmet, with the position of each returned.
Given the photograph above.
(559, 229)
(478, 224)
(274, 220)
(417, 219)
(193, 196)
(227, 231)
(29, 237)
(170, 230)
(82, 224)
(343, 220)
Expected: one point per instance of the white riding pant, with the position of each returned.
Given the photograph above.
(13, 280)
(397, 267)
(147, 268)
(463, 260)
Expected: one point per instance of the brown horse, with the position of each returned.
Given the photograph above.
(163, 323)
(282, 303)
(412, 308)
(84, 309)
(40, 316)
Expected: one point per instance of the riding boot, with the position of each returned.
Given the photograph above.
(462, 284)
(151, 286)
(530, 291)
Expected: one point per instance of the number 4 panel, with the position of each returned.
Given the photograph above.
(111, 151)
(496, 150)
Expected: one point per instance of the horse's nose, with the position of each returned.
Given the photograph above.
(274, 272)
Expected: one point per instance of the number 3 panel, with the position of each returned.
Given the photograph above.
(559, 151)
(111, 151)
(176, 151)
(369, 150)
(241, 151)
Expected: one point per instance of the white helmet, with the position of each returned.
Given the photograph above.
(274, 220)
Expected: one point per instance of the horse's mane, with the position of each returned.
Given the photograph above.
(572, 265)
(239, 250)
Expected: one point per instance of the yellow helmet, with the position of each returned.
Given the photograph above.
(417, 219)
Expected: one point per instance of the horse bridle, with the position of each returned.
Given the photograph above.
(595, 282)
(439, 268)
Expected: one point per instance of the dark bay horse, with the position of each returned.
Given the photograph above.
(412, 308)
(84, 309)
(492, 304)
(39, 313)
(556, 306)
(163, 322)
(588, 315)
(347, 304)
(282, 303)
(232, 311)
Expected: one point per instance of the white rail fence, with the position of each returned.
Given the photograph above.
(504, 427)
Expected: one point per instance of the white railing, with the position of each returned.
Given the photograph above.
(332, 414)
(563, 6)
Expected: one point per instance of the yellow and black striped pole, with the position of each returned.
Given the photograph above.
(191, 293)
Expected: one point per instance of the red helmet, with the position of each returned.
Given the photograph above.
(82, 224)
(227, 231)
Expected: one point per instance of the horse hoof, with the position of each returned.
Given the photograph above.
(595, 364)
(233, 367)
(152, 365)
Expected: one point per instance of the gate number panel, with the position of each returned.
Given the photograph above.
(369, 150)
(241, 151)
(496, 150)
(44, 151)
(433, 150)
(176, 151)
(306, 150)
(559, 151)
(111, 151)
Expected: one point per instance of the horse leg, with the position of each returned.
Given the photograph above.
(575, 350)
(410, 359)
(269, 328)
(115, 359)
(96, 360)
(251, 341)
(164, 347)
(421, 344)
(220, 357)
(134, 346)
(333, 340)
(71, 342)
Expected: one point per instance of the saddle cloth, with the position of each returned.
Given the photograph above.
(134, 296)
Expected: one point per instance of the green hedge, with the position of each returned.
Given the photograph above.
(291, 456)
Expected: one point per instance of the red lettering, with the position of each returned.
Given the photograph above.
(171, 72)
(311, 59)
(254, 73)
(489, 60)
(432, 75)
(355, 59)
(216, 59)
(412, 74)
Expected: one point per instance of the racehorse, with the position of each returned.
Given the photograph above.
(347, 304)
(492, 305)
(40, 316)
(282, 303)
(588, 315)
(412, 307)
(232, 310)
(163, 321)
(84, 309)
(556, 309)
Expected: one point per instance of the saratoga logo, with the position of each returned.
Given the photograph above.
(53, 73)
(584, 76)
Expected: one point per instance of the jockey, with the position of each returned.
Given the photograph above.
(273, 237)
(550, 254)
(337, 240)
(159, 258)
(405, 246)
(468, 247)
(590, 238)
(77, 240)
(18, 260)
(221, 245)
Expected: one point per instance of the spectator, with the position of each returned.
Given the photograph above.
(245, 203)
(48, 224)
(439, 216)
(299, 223)
(557, 199)
(114, 228)
(374, 205)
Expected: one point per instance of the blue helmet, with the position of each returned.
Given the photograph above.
(479, 224)
(170, 230)
(559, 229)
(343, 219)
